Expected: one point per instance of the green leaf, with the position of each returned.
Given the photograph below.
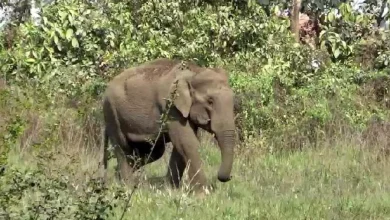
(60, 32)
(30, 60)
(44, 20)
(336, 53)
(69, 34)
(56, 39)
(70, 18)
(75, 43)
(323, 45)
(35, 54)
(276, 9)
(359, 18)
(331, 17)
(348, 7)
(344, 44)
(62, 15)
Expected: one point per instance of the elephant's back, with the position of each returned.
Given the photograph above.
(134, 100)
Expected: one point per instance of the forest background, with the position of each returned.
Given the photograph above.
(312, 85)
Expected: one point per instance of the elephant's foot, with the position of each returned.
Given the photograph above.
(197, 178)
(202, 194)
(201, 191)
(127, 180)
(126, 175)
(174, 181)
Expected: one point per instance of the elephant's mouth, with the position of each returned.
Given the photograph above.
(204, 123)
(205, 126)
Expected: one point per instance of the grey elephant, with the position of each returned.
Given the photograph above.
(135, 100)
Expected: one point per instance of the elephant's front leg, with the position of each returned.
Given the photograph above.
(176, 168)
(185, 153)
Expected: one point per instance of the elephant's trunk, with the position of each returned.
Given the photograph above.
(223, 126)
(226, 141)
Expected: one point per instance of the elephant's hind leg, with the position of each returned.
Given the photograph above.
(124, 171)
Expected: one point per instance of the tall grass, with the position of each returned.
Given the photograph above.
(344, 177)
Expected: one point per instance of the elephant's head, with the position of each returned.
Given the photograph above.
(206, 99)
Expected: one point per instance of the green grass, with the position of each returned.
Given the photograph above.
(327, 183)
(344, 178)
(344, 181)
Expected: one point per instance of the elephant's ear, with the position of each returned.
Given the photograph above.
(183, 100)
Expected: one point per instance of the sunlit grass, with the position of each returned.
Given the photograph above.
(324, 183)
(330, 182)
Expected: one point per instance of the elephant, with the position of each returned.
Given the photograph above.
(134, 102)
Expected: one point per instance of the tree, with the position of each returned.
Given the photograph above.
(295, 18)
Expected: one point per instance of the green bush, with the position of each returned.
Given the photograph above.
(30, 194)
(80, 46)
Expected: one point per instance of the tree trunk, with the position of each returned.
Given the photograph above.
(379, 18)
(295, 18)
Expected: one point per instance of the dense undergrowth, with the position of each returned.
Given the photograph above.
(290, 97)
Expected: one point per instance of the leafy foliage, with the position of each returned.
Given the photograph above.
(72, 54)
(47, 197)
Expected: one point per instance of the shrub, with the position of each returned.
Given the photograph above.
(26, 194)
(80, 46)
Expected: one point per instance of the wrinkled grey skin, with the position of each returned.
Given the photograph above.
(134, 101)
